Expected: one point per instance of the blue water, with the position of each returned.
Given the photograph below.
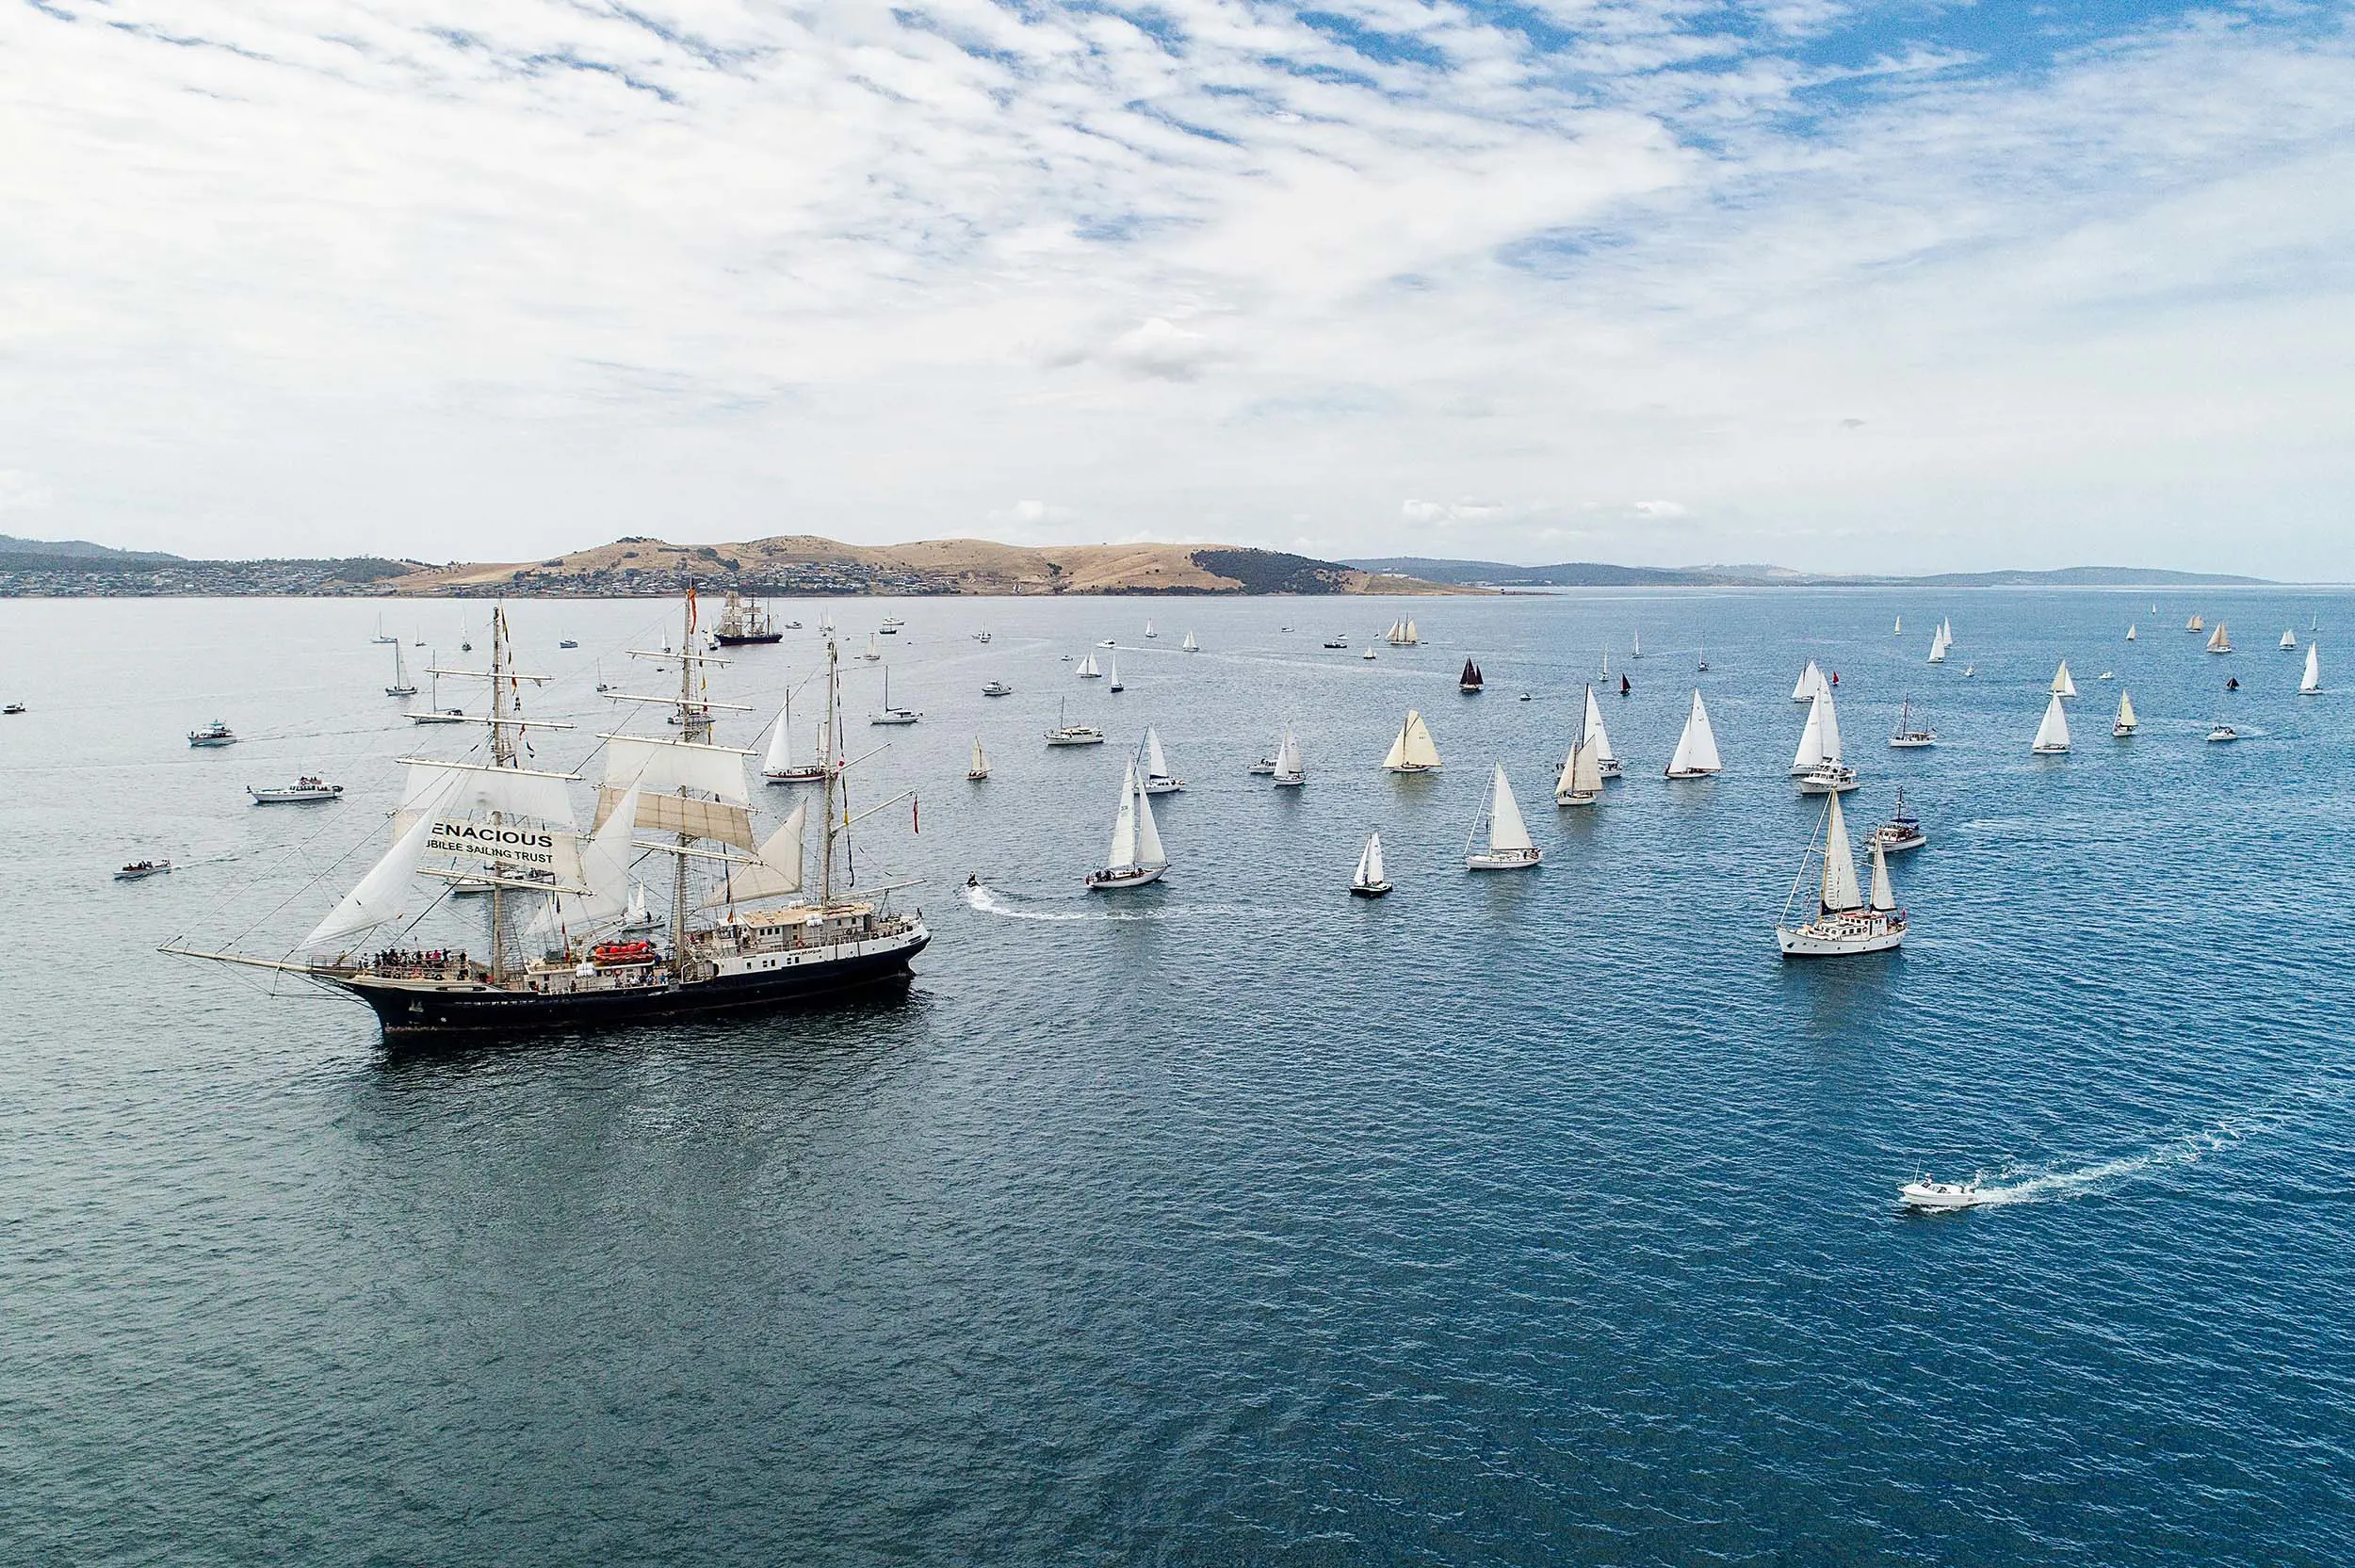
(1543, 1218)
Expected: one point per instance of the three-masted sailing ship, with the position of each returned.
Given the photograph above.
(743, 930)
(743, 621)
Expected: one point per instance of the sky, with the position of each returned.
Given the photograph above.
(1841, 286)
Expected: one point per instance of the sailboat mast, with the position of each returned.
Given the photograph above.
(689, 667)
(834, 688)
(502, 755)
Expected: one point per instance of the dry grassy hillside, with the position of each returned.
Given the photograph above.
(802, 563)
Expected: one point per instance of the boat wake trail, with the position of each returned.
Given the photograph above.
(2189, 1149)
(990, 902)
(1016, 906)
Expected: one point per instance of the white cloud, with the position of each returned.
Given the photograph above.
(502, 277)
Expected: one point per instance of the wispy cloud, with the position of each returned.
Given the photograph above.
(493, 278)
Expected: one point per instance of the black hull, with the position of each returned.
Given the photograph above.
(727, 641)
(410, 1013)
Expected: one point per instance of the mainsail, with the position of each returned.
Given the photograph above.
(1883, 898)
(1413, 751)
(1507, 829)
(2062, 685)
(1369, 873)
(776, 871)
(1597, 741)
(1811, 753)
(2313, 681)
(1697, 747)
(2126, 719)
(1123, 856)
(1839, 891)
(1812, 682)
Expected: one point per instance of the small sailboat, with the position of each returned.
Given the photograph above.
(1089, 669)
(1697, 747)
(382, 636)
(1701, 662)
(1939, 643)
(889, 715)
(1908, 735)
(1810, 683)
(1818, 764)
(1414, 751)
(1469, 680)
(2125, 723)
(1598, 739)
(403, 685)
(1190, 645)
(1149, 632)
(2051, 735)
(1903, 830)
(1290, 768)
(636, 916)
(2310, 685)
(1635, 647)
(1158, 780)
(1068, 733)
(1136, 856)
(1368, 655)
(875, 650)
(1509, 847)
(433, 713)
(303, 791)
(2289, 642)
(1368, 880)
(778, 766)
(1846, 922)
(978, 769)
(2220, 640)
(1899, 629)
(1581, 780)
(1115, 683)
(1624, 688)
(2130, 631)
(2062, 685)
(2195, 625)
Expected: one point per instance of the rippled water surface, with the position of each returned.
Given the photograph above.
(1544, 1218)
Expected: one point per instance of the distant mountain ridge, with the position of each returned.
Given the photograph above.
(1493, 573)
(78, 549)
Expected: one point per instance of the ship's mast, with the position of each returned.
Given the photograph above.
(503, 693)
(689, 666)
(833, 773)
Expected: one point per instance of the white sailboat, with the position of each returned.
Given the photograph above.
(1290, 768)
(1581, 780)
(1819, 763)
(2220, 640)
(1136, 856)
(1088, 670)
(874, 649)
(1190, 645)
(978, 769)
(1149, 632)
(1899, 629)
(1414, 751)
(1597, 741)
(1068, 733)
(1115, 683)
(1368, 880)
(1846, 922)
(1811, 682)
(2289, 640)
(1509, 846)
(1938, 644)
(2062, 685)
(382, 636)
(1908, 735)
(1635, 648)
(2125, 723)
(1158, 780)
(2312, 684)
(1403, 634)
(433, 713)
(1697, 747)
(636, 916)
(403, 685)
(2130, 631)
(778, 766)
(890, 715)
(2052, 736)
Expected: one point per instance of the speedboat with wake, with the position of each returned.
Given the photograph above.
(1938, 1197)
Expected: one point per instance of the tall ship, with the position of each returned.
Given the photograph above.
(743, 621)
(743, 930)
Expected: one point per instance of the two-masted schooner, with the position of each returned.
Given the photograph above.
(743, 930)
(1846, 920)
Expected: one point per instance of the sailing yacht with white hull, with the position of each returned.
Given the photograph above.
(1818, 764)
(1581, 782)
(403, 685)
(742, 932)
(2051, 735)
(2311, 684)
(1413, 752)
(778, 766)
(1370, 881)
(1598, 739)
(1697, 747)
(1157, 778)
(1846, 922)
(2125, 723)
(1136, 856)
(1290, 771)
(1509, 847)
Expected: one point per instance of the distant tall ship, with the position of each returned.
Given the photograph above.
(1403, 634)
(743, 621)
(742, 932)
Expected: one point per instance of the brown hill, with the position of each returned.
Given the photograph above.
(802, 563)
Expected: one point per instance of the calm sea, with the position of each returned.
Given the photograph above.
(1526, 1218)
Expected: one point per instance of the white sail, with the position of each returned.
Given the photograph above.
(1810, 751)
(1580, 776)
(777, 872)
(1113, 669)
(1883, 898)
(1839, 891)
(2062, 685)
(1595, 737)
(1369, 864)
(2312, 682)
(1412, 636)
(1288, 759)
(1414, 748)
(1899, 629)
(1697, 747)
(1190, 646)
(634, 913)
(2289, 639)
(2126, 719)
(1832, 749)
(2053, 735)
(1937, 645)
(665, 765)
(1124, 849)
(979, 768)
(475, 789)
(387, 893)
(1507, 829)
(780, 757)
(1156, 763)
(605, 875)
(1811, 682)
(2220, 640)
(1087, 667)
(1148, 832)
(2130, 631)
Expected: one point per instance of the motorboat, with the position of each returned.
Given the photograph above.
(1336, 642)
(1068, 733)
(997, 689)
(1937, 1197)
(140, 869)
(218, 733)
(304, 789)
(13, 708)
(568, 642)
(438, 716)
(1908, 735)
(1108, 643)
(1828, 778)
(1903, 830)
(2221, 732)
